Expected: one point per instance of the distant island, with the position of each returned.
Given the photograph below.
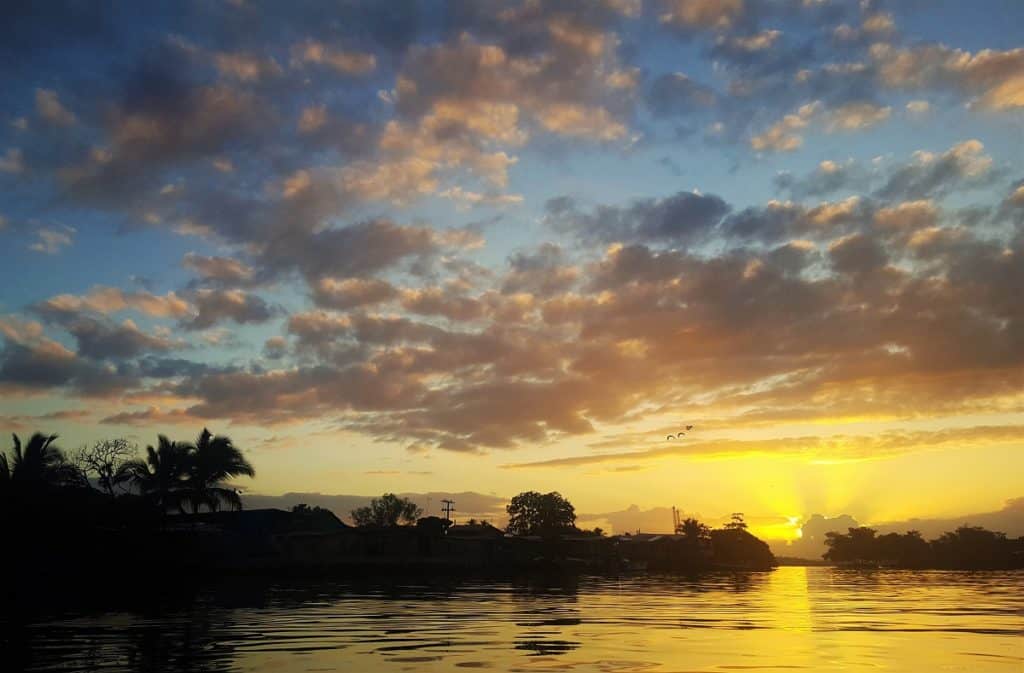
(103, 519)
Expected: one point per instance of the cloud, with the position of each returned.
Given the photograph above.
(12, 161)
(926, 174)
(108, 300)
(542, 271)
(786, 135)
(929, 174)
(344, 62)
(811, 543)
(107, 341)
(151, 416)
(992, 77)
(468, 199)
(51, 110)
(221, 270)
(351, 293)
(681, 218)
(246, 67)
(214, 306)
(52, 241)
(918, 108)
(837, 447)
(829, 176)
(702, 14)
(39, 364)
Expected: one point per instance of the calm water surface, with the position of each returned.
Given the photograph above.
(816, 619)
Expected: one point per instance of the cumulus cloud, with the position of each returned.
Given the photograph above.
(930, 174)
(246, 67)
(681, 218)
(51, 240)
(344, 62)
(991, 77)
(702, 14)
(107, 300)
(351, 293)
(216, 306)
(786, 135)
(867, 295)
(222, 270)
(51, 110)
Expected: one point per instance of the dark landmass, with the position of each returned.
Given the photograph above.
(130, 528)
(966, 548)
(797, 561)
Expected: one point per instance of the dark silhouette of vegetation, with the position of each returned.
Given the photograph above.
(107, 462)
(968, 547)
(533, 513)
(694, 530)
(161, 476)
(39, 464)
(176, 474)
(736, 522)
(387, 510)
(735, 546)
(209, 463)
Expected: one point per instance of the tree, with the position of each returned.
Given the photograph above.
(5, 472)
(161, 475)
(107, 460)
(858, 544)
(694, 530)
(387, 510)
(736, 522)
(211, 461)
(533, 513)
(40, 463)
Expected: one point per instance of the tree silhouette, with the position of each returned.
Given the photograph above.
(211, 461)
(107, 459)
(694, 530)
(161, 475)
(5, 473)
(533, 513)
(858, 544)
(736, 522)
(387, 510)
(40, 464)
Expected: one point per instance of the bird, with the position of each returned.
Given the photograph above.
(689, 427)
(680, 434)
(670, 437)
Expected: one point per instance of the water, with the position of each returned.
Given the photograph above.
(817, 619)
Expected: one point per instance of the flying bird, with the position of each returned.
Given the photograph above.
(689, 427)
(670, 437)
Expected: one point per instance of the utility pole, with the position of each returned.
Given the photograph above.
(448, 509)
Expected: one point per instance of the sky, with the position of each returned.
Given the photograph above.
(488, 247)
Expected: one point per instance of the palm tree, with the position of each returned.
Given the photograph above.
(212, 460)
(5, 473)
(39, 463)
(161, 475)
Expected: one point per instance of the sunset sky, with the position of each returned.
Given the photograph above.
(492, 247)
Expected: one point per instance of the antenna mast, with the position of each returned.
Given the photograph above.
(448, 509)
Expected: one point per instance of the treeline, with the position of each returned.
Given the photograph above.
(968, 547)
(173, 475)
